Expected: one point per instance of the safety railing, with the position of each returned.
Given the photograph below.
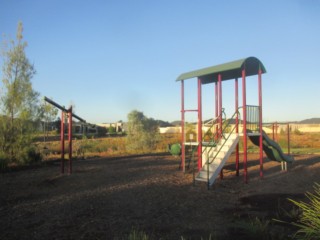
(253, 119)
(214, 138)
(215, 124)
(226, 133)
(208, 135)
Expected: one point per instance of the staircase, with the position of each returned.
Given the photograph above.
(216, 157)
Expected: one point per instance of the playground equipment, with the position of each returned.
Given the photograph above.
(68, 114)
(212, 155)
(175, 149)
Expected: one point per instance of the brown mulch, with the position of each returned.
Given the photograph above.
(107, 198)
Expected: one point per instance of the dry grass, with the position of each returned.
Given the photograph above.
(300, 143)
(101, 147)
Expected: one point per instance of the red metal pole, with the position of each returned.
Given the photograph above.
(244, 125)
(220, 113)
(288, 130)
(70, 140)
(62, 141)
(216, 105)
(237, 123)
(220, 103)
(182, 128)
(260, 122)
(199, 125)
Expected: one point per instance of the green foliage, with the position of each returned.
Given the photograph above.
(19, 103)
(3, 161)
(48, 114)
(309, 221)
(209, 238)
(111, 130)
(82, 147)
(191, 132)
(31, 156)
(136, 235)
(142, 132)
(297, 132)
(253, 228)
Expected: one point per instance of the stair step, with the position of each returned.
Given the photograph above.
(218, 157)
(203, 174)
(201, 179)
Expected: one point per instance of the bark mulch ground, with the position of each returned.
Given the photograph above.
(107, 198)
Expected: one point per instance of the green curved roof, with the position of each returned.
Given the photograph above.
(230, 70)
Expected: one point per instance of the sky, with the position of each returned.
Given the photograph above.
(109, 57)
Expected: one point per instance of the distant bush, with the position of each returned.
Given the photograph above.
(297, 132)
(142, 132)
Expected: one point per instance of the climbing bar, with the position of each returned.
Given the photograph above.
(55, 104)
(63, 109)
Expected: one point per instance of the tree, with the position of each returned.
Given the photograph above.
(19, 102)
(48, 114)
(142, 132)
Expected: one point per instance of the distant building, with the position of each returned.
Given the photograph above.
(305, 128)
(118, 126)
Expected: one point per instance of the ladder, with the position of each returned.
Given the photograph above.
(216, 155)
(216, 158)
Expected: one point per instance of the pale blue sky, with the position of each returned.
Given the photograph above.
(111, 57)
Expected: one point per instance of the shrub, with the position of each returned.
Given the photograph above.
(297, 132)
(31, 155)
(136, 235)
(253, 228)
(309, 222)
(3, 162)
(143, 133)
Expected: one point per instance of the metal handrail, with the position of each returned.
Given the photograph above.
(208, 162)
(215, 121)
(222, 136)
(212, 140)
(223, 130)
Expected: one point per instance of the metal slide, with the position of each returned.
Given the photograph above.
(271, 148)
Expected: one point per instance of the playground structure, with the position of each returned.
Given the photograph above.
(65, 114)
(225, 132)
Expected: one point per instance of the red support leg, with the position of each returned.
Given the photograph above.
(70, 140)
(237, 124)
(220, 113)
(260, 122)
(183, 152)
(62, 141)
(220, 103)
(244, 125)
(216, 106)
(199, 125)
(288, 135)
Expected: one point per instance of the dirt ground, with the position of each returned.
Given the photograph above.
(107, 198)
